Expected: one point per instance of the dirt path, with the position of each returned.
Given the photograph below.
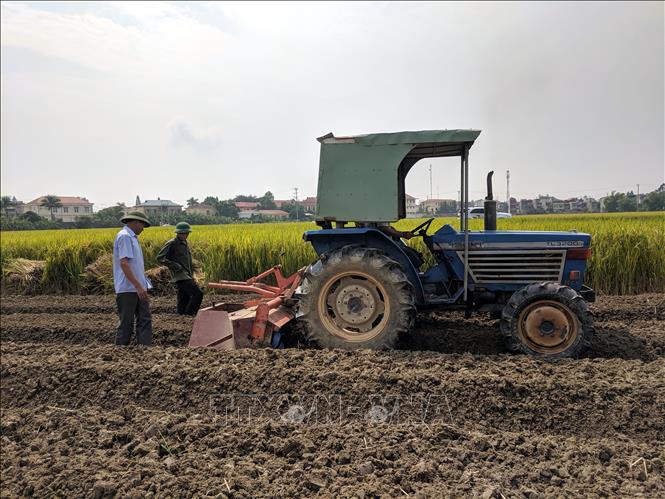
(447, 414)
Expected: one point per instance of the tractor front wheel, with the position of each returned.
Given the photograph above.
(547, 320)
(356, 297)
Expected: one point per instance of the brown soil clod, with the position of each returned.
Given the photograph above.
(448, 413)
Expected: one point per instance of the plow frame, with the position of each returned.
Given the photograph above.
(272, 296)
(269, 312)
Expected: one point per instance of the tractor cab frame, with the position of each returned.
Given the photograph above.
(362, 181)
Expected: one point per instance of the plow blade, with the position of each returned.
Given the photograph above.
(217, 327)
(213, 329)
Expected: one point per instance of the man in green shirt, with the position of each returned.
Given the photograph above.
(177, 256)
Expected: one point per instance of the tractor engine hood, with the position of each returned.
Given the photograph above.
(447, 238)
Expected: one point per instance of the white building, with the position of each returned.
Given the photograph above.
(201, 209)
(411, 206)
(157, 209)
(70, 210)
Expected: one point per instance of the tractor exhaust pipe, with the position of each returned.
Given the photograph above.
(490, 205)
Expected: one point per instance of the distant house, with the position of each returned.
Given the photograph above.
(513, 205)
(545, 204)
(309, 204)
(201, 209)
(527, 206)
(276, 214)
(281, 202)
(434, 205)
(157, 209)
(14, 208)
(411, 206)
(583, 204)
(247, 205)
(560, 206)
(72, 209)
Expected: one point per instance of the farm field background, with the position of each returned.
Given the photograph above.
(628, 249)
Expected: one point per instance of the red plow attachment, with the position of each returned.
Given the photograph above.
(228, 326)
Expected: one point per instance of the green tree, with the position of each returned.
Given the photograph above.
(6, 203)
(245, 198)
(31, 217)
(84, 223)
(51, 202)
(227, 209)
(628, 202)
(109, 217)
(655, 200)
(290, 207)
(612, 201)
(447, 207)
(191, 202)
(267, 201)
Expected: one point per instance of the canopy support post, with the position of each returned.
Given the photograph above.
(465, 218)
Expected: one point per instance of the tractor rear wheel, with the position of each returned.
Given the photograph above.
(356, 297)
(547, 320)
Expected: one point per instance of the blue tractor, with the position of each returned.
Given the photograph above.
(367, 284)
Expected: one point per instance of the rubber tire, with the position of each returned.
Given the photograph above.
(546, 291)
(388, 272)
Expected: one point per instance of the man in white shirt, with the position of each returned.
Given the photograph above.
(131, 284)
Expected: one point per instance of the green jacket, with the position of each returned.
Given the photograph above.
(177, 256)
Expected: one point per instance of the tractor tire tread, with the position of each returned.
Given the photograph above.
(547, 291)
(369, 260)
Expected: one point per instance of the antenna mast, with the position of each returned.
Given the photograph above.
(508, 189)
(430, 181)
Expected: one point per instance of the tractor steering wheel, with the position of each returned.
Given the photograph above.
(422, 228)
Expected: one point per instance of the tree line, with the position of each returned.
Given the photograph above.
(627, 201)
(224, 211)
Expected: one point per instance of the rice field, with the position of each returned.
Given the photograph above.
(628, 255)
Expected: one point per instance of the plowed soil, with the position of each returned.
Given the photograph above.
(449, 413)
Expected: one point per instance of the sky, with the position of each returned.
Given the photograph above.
(178, 100)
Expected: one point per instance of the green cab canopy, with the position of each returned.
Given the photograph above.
(361, 177)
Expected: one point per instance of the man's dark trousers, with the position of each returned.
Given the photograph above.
(130, 308)
(190, 297)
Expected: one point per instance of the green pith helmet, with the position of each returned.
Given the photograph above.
(136, 215)
(182, 227)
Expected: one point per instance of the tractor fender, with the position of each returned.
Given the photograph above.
(326, 240)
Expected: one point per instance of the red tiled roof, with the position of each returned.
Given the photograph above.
(64, 200)
(246, 204)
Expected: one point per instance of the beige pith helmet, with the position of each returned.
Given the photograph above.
(135, 215)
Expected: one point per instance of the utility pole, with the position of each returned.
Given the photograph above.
(296, 198)
(638, 197)
(508, 189)
(430, 181)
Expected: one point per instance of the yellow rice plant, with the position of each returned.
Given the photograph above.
(628, 248)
